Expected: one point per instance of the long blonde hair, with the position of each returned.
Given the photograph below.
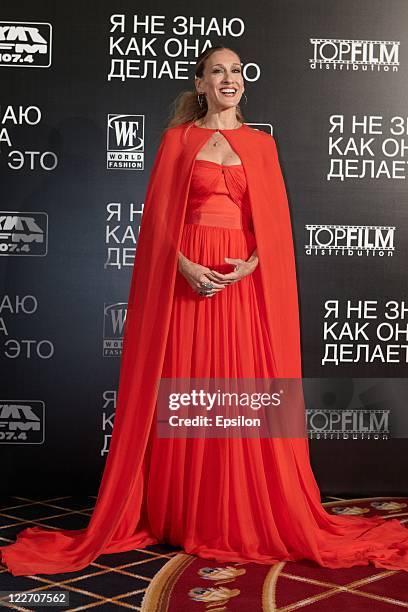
(186, 107)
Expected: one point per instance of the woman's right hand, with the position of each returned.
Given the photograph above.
(195, 274)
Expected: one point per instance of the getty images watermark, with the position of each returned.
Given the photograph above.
(319, 408)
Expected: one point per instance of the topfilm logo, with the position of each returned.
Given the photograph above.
(344, 54)
(125, 142)
(349, 240)
(25, 44)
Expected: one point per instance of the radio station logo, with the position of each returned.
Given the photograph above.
(23, 234)
(125, 142)
(25, 44)
(113, 327)
(22, 422)
(345, 54)
(349, 240)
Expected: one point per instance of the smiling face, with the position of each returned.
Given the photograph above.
(222, 81)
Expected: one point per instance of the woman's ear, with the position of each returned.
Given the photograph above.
(197, 84)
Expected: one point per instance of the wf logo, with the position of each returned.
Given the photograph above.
(125, 142)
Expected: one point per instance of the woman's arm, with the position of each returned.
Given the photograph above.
(254, 257)
(182, 259)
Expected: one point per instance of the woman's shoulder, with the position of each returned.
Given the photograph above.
(174, 133)
(170, 130)
(264, 141)
(262, 134)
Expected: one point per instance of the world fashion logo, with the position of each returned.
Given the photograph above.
(22, 422)
(113, 328)
(349, 240)
(346, 54)
(23, 234)
(25, 44)
(125, 142)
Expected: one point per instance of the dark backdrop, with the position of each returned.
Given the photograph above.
(76, 103)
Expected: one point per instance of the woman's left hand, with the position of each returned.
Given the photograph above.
(242, 269)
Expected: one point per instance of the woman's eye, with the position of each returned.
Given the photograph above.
(234, 70)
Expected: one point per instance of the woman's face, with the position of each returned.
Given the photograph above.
(222, 71)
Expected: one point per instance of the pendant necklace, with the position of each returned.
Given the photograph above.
(214, 144)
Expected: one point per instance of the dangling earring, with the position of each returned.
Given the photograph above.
(200, 99)
(246, 99)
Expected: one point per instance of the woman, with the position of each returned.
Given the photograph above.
(213, 295)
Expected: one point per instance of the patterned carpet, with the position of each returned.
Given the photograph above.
(161, 578)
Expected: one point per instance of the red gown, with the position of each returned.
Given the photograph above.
(238, 499)
(228, 499)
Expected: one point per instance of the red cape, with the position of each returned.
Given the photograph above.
(118, 522)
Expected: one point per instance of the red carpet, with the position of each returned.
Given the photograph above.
(188, 583)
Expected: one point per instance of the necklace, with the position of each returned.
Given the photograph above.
(217, 131)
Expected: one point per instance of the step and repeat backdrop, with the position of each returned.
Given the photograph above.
(86, 89)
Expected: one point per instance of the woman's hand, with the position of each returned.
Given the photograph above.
(195, 274)
(242, 268)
